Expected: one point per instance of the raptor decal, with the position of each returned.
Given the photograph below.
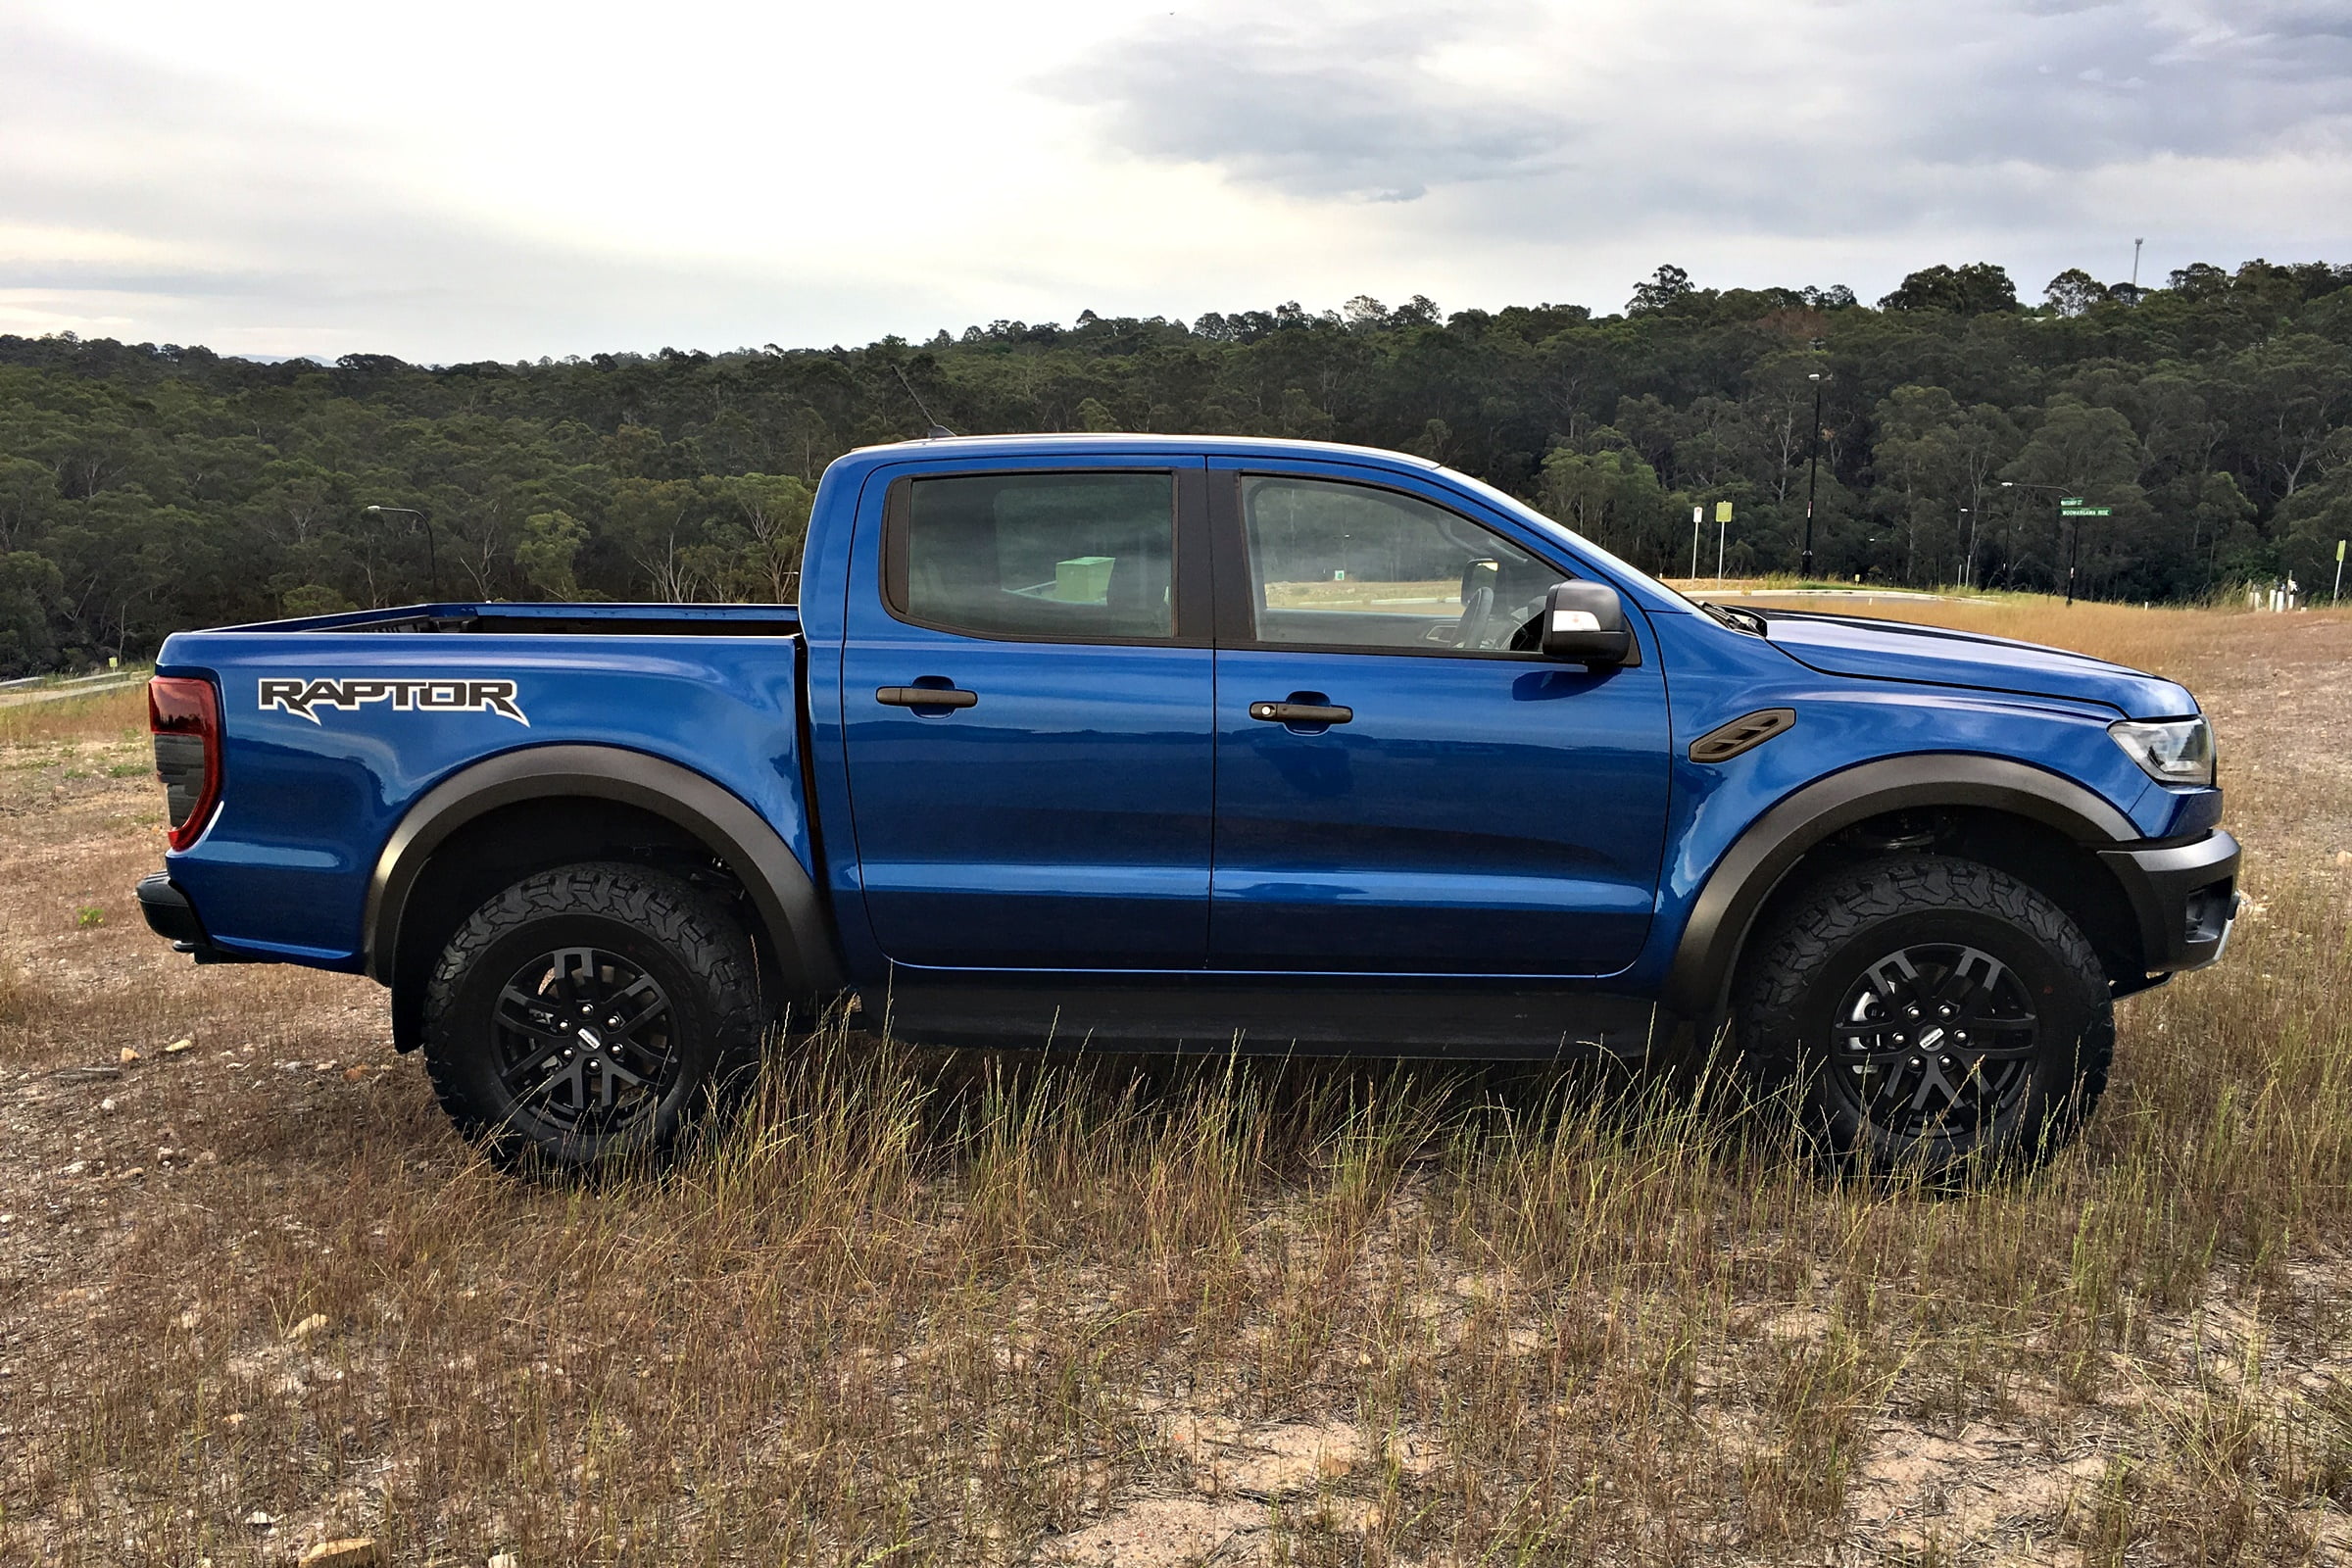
(305, 694)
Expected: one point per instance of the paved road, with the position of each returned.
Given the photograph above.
(60, 694)
(1868, 596)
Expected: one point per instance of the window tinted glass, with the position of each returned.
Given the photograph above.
(1040, 555)
(1345, 566)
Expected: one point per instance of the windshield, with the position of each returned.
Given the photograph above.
(1521, 510)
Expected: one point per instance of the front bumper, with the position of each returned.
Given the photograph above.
(2184, 897)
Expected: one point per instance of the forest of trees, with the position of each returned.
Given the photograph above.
(145, 488)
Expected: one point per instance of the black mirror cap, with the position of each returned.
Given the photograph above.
(1584, 623)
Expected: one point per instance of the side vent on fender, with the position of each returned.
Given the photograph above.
(1744, 734)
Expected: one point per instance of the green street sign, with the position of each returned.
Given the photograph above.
(2070, 501)
(2087, 512)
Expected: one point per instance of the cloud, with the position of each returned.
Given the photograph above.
(1792, 116)
(1314, 105)
(464, 181)
(145, 203)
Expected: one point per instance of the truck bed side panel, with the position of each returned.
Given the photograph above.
(315, 778)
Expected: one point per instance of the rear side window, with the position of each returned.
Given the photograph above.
(1067, 557)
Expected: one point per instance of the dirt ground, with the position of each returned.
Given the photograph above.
(253, 1294)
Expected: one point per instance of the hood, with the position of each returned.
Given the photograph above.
(1886, 650)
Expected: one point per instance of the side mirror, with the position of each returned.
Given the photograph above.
(1584, 623)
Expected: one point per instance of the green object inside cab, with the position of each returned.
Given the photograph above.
(1082, 579)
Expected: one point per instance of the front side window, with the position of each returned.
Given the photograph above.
(1062, 556)
(1345, 566)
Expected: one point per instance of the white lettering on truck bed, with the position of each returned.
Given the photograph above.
(305, 694)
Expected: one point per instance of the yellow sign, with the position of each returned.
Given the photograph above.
(1723, 512)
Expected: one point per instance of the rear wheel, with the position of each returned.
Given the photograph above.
(1933, 1013)
(590, 1013)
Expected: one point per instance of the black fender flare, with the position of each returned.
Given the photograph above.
(797, 932)
(1699, 978)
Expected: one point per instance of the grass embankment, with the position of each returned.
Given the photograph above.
(920, 1307)
(117, 713)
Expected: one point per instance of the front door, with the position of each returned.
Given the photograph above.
(1403, 786)
(1026, 696)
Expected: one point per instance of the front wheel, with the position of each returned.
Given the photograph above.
(590, 1013)
(1934, 1013)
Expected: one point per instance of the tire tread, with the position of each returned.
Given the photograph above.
(1802, 943)
(695, 925)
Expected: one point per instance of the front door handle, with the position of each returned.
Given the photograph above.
(921, 697)
(1300, 712)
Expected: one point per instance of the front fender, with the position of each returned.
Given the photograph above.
(1699, 977)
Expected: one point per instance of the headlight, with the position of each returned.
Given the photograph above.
(2170, 751)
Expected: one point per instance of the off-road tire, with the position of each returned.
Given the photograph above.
(644, 923)
(1819, 996)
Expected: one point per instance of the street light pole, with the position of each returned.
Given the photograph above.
(1812, 475)
(433, 562)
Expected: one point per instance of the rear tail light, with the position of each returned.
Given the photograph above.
(185, 716)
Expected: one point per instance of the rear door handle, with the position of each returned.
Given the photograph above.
(925, 697)
(1301, 714)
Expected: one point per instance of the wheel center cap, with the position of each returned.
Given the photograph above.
(1928, 1039)
(591, 1039)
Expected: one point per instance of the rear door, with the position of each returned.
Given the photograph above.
(1027, 694)
(1402, 785)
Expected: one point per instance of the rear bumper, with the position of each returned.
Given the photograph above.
(2184, 897)
(173, 917)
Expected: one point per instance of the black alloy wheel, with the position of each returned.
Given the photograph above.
(592, 1014)
(585, 1040)
(1938, 1036)
(1931, 1014)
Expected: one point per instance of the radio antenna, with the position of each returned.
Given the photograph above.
(936, 430)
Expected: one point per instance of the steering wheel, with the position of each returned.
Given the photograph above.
(1473, 624)
(1527, 625)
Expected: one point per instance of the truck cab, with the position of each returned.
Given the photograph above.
(1198, 743)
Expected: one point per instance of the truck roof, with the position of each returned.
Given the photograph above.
(1046, 443)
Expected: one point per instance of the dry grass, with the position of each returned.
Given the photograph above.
(119, 713)
(920, 1307)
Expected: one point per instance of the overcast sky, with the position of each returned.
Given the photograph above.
(451, 180)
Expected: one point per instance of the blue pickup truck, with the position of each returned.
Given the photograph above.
(1155, 742)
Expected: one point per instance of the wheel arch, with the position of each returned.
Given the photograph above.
(606, 784)
(2022, 815)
